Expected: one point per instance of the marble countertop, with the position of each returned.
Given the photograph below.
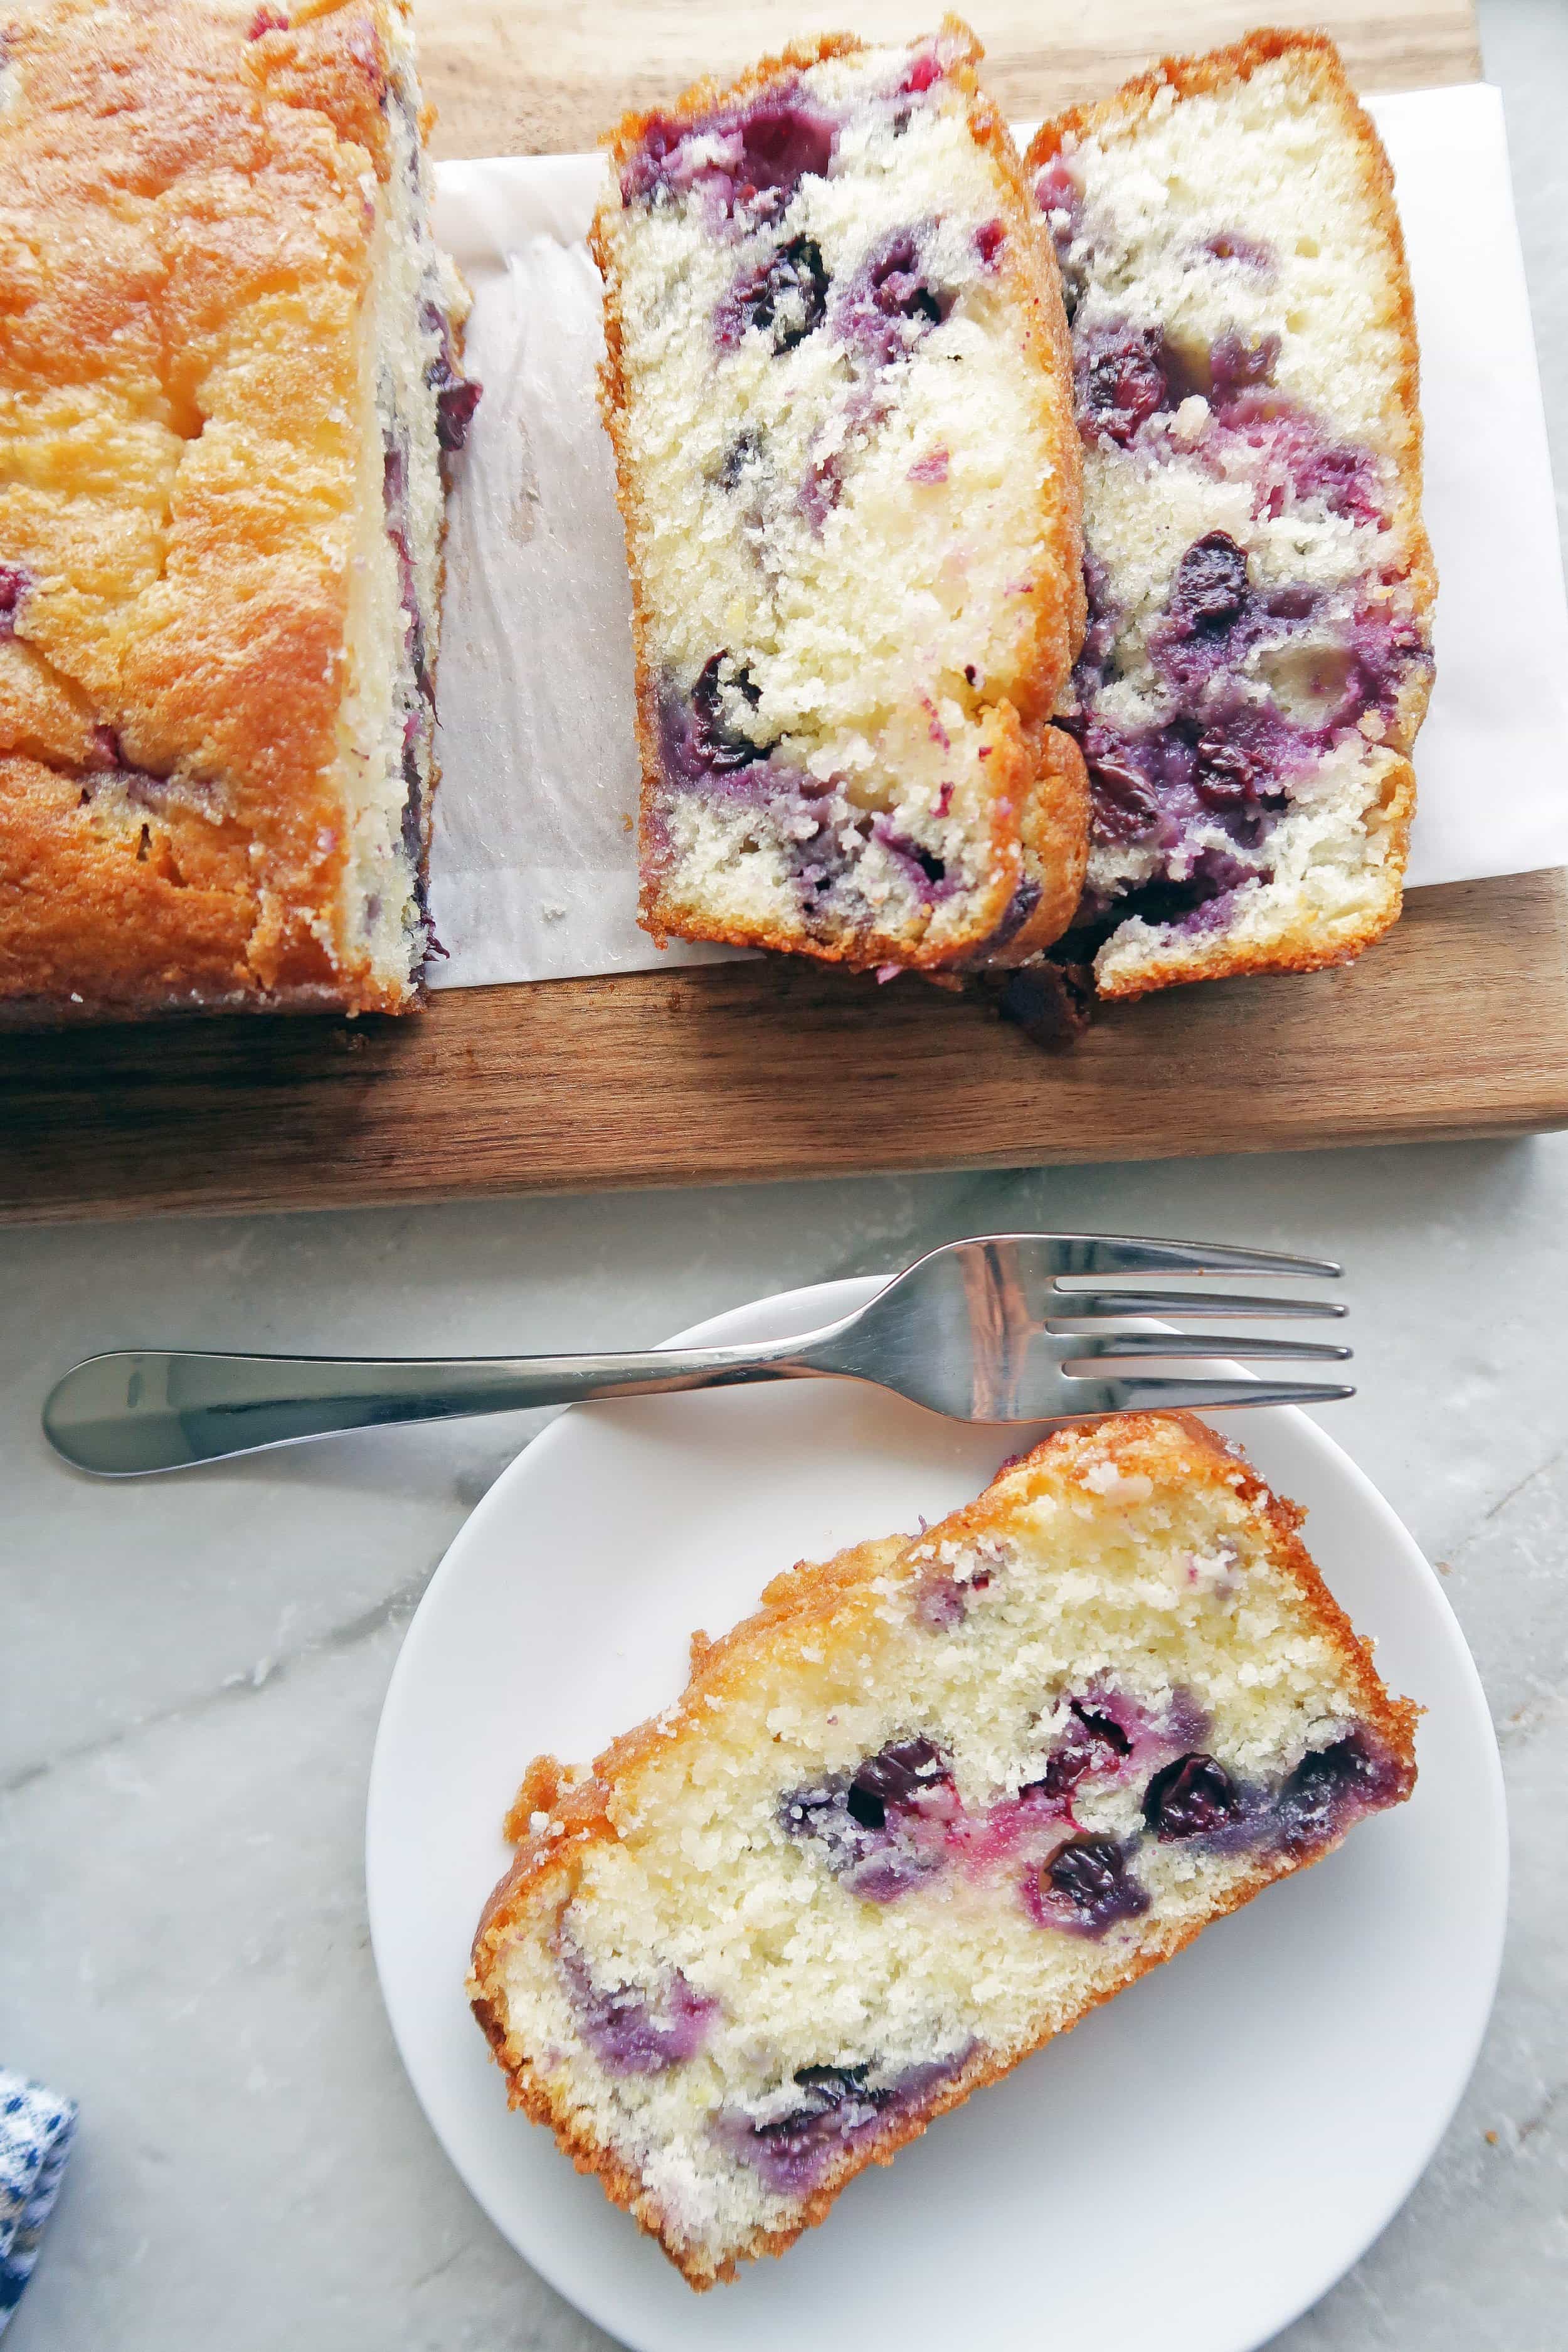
(190, 1673)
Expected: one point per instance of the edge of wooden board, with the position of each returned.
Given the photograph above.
(1455, 1025)
(554, 78)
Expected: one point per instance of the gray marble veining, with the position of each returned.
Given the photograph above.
(191, 1672)
(195, 1668)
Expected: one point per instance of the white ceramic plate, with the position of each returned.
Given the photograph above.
(1194, 2165)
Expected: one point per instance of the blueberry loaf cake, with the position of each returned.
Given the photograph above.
(837, 383)
(227, 378)
(1256, 661)
(936, 1801)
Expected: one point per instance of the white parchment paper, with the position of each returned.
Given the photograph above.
(533, 867)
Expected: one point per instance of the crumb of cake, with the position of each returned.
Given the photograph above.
(1258, 651)
(838, 384)
(962, 1788)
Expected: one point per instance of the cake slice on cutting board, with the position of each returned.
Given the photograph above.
(838, 387)
(1260, 586)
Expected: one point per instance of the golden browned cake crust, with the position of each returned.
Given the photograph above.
(188, 201)
(826, 1623)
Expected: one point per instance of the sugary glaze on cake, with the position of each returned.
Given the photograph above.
(837, 383)
(939, 1798)
(226, 376)
(1257, 659)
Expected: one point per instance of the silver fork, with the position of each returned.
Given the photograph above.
(980, 1330)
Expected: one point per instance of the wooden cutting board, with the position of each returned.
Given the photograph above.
(1455, 1025)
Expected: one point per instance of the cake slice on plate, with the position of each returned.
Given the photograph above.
(838, 387)
(939, 1798)
(1257, 660)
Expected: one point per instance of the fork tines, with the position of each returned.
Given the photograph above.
(1194, 1396)
(1096, 1306)
(1080, 1253)
(1111, 1254)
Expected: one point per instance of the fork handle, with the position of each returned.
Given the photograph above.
(122, 1415)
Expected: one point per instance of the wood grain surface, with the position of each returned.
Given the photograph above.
(537, 76)
(779, 1068)
(1455, 1025)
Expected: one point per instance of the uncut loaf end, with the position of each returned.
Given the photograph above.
(230, 379)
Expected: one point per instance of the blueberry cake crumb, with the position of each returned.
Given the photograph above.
(837, 381)
(936, 1801)
(1257, 656)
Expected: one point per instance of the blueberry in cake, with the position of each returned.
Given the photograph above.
(838, 387)
(939, 1798)
(229, 375)
(1256, 661)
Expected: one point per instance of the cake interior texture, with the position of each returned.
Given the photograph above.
(838, 387)
(228, 375)
(1258, 657)
(938, 1799)
(419, 413)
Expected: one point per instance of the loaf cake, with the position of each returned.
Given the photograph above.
(837, 378)
(228, 373)
(940, 1797)
(1257, 656)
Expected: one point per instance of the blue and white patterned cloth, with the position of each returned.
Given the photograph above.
(35, 2127)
